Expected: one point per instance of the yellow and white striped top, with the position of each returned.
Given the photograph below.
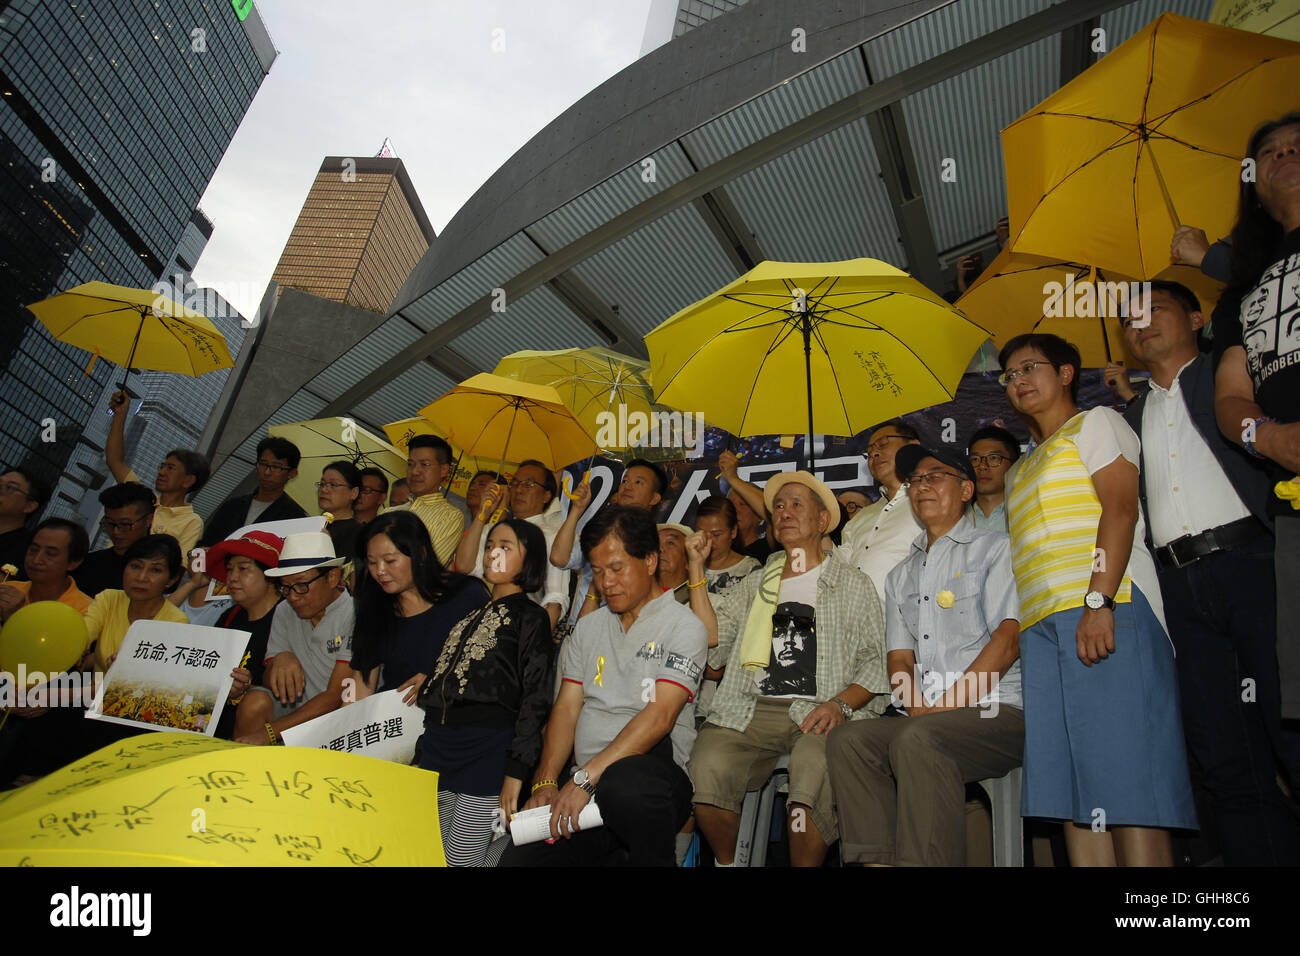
(444, 522)
(1053, 513)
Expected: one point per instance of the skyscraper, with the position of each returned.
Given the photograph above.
(361, 231)
(113, 118)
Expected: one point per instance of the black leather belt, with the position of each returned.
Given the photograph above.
(1190, 548)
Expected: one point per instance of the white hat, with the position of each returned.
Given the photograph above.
(674, 526)
(305, 551)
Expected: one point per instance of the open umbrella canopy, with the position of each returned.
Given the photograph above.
(134, 328)
(323, 440)
(1023, 293)
(830, 348)
(174, 799)
(1148, 138)
(499, 419)
(465, 467)
(594, 383)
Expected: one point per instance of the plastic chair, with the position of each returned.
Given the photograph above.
(756, 817)
(1008, 827)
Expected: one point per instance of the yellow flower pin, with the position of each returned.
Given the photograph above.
(329, 518)
(946, 598)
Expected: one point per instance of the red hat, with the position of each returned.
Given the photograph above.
(259, 546)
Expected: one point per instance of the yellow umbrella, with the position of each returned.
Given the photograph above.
(1023, 293)
(1277, 18)
(134, 328)
(814, 347)
(464, 467)
(593, 382)
(492, 417)
(1150, 137)
(323, 440)
(174, 799)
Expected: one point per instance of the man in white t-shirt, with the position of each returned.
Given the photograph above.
(879, 536)
(803, 647)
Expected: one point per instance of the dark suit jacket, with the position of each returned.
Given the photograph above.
(230, 514)
(1247, 474)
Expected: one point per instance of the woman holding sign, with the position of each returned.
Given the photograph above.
(488, 697)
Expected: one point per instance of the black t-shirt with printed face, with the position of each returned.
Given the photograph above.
(1266, 322)
(793, 668)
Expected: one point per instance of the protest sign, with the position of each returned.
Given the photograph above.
(170, 676)
(380, 725)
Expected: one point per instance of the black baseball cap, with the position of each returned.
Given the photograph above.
(909, 456)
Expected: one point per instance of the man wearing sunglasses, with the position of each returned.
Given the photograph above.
(952, 632)
(992, 452)
(309, 651)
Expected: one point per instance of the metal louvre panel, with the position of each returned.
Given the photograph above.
(960, 119)
(659, 270)
(944, 30)
(824, 201)
(379, 346)
(473, 282)
(221, 484)
(614, 196)
(405, 395)
(1122, 23)
(777, 109)
(537, 321)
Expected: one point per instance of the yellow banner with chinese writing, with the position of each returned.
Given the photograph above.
(172, 799)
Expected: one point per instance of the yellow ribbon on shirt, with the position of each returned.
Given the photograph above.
(600, 670)
(1289, 491)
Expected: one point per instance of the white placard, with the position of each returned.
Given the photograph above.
(379, 726)
(170, 677)
(529, 826)
(281, 529)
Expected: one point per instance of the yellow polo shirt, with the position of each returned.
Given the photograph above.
(106, 622)
(181, 522)
(72, 597)
(444, 522)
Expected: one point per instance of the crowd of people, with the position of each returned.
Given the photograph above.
(1111, 608)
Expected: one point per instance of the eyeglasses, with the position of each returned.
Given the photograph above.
(931, 477)
(992, 460)
(880, 443)
(850, 506)
(331, 485)
(524, 484)
(301, 588)
(111, 526)
(371, 491)
(1010, 375)
(13, 488)
(272, 466)
(803, 622)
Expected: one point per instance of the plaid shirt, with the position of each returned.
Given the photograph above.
(850, 645)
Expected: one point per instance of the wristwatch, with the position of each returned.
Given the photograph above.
(583, 781)
(845, 709)
(1095, 600)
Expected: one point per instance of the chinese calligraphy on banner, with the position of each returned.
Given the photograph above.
(380, 725)
(170, 676)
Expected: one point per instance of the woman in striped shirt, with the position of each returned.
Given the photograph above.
(1103, 734)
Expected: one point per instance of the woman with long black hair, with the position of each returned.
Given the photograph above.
(405, 605)
(1257, 382)
(488, 697)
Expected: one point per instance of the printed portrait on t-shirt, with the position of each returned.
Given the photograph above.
(1270, 318)
(792, 671)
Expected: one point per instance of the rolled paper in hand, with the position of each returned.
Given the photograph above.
(529, 826)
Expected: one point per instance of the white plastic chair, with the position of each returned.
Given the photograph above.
(756, 817)
(1008, 827)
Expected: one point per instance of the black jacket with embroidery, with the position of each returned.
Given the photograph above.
(495, 671)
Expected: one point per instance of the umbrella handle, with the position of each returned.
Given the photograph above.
(572, 495)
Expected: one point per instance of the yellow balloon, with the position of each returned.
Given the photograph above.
(46, 636)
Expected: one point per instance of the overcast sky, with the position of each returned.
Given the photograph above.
(421, 72)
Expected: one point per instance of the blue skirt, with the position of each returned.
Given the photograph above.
(469, 760)
(1104, 744)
